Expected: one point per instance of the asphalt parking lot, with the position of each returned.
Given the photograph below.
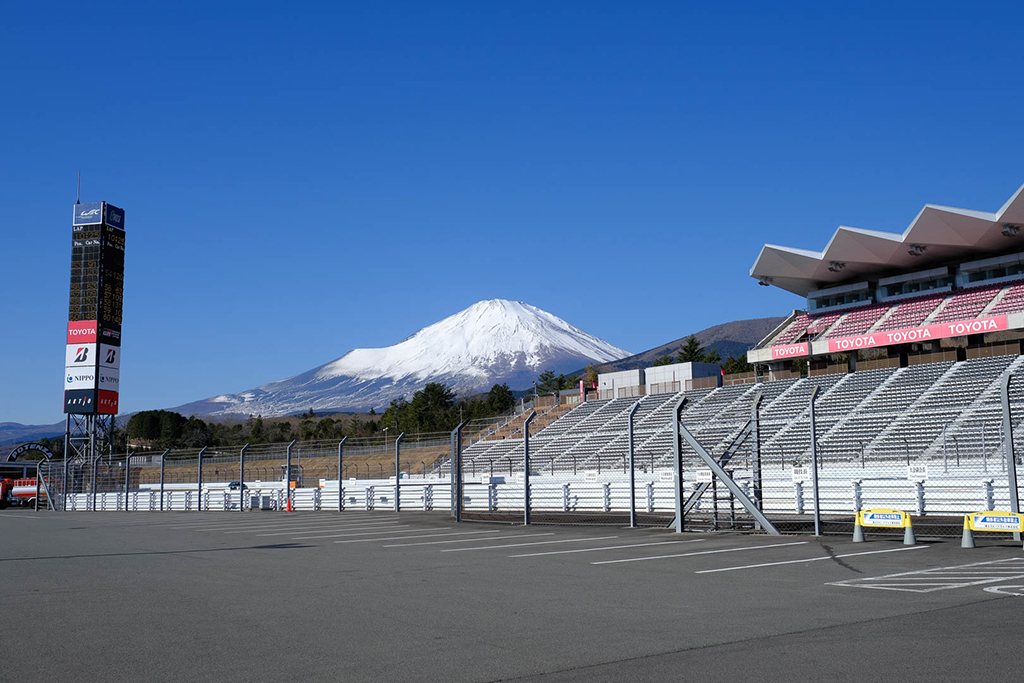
(367, 596)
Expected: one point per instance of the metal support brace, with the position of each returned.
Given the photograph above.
(127, 481)
(724, 477)
(526, 467)
(700, 488)
(1008, 454)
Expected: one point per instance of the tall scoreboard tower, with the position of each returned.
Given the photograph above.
(92, 360)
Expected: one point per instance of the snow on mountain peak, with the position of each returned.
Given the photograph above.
(482, 335)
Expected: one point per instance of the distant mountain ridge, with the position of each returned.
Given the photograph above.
(729, 339)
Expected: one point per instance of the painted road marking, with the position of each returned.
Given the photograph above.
(518, 545)
(402, 538)
(810, 559)
(291, 523)
(609, 547)
(702, 552)
(465, 540)
(347, 527)
(942, 578)
(1017, 591)
(391, 529)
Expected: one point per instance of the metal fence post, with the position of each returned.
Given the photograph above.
(241, 478)
(398, 471)
(64, 484)
(95, 480)
(163, 462)
(456, 471)
(1008, 454)
(39, 478)
(199, 490)
(814, 465)
(288, 475)
(127, 472)
(341, 447)
(755, 449)
(677, 462)
(526, 467)
(632, 467)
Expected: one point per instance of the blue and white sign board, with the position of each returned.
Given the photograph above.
(884, 518)
(995, 520)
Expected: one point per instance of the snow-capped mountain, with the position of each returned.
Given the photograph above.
(490, 342)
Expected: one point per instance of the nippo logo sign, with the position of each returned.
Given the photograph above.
(959, 328)
(82, 332)
(789, 351)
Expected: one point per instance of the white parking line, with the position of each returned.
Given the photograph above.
(225, 522)
(518, 545)
(942, 578)
(702, 552)
(465, 540)
(810, 559)
(402, 538)
(610, 547)
(388, 530)
(347, 527)
(290, 523)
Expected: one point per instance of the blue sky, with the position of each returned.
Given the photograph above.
(304, 179)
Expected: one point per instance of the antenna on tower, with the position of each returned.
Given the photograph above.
(78, 200)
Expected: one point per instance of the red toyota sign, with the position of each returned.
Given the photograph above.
(959, 328)
(789, 351)
(82, 332)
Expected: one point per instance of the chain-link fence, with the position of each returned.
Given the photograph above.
(373, 473)
(926, 439)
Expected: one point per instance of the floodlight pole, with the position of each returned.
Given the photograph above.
(632, 468)
(526, 467)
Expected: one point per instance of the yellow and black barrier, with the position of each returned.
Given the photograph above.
(884, 517)
(990, 520)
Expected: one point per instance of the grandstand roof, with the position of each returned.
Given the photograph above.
(939, 234)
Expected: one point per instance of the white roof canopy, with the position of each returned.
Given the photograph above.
(939, 234)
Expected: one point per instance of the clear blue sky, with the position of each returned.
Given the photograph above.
(304, 179)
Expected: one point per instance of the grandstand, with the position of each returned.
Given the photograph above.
(904, 337)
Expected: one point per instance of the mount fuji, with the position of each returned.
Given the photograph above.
(491, 342)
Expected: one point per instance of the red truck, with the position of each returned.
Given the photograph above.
(18, 492)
